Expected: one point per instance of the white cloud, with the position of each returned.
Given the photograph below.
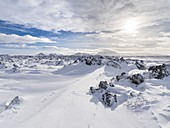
(68, 51)
(25, 49)
(93, 15)
(19, 46)
(165, 34)
(12, 38)
(83, 15)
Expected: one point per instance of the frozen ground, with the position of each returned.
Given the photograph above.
(57, 96)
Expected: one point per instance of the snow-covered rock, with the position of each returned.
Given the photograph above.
(136, 79)
(13, 103)
(159, 71)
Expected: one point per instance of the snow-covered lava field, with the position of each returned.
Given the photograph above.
(83, 91)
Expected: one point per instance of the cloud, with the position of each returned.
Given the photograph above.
(104, 17)
(165, 34)
(82, 15)
(12, 38)
(107, 52)
(68, 51)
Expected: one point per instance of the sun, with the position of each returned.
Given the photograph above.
(131, 26)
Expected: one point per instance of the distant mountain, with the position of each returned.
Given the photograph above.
(108, 52)
(82, 54)
(141, 54)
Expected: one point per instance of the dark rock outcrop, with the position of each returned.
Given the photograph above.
(15, 68)
(103, 85)
(136, 79)
(140, 64)
(113, 64)
(121, 76)
(88, 62)
(159, 71)
(108, 99)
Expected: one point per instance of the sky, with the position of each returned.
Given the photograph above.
(138, 27)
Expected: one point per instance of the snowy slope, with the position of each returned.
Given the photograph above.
(58, 97)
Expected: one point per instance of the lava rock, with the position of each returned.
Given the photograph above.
(121, 76)
(2, 65)
(136, 79)
(103, 85)
(16, 101)
(113, 64)
(111, 85)
(88, 62)
(122, 59)
(159, 71)
(92, 90)
(140, 64)
(15, 68)
(108, 99)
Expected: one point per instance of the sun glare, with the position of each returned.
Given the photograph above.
(130, 26)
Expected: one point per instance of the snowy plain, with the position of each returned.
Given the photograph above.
(57, 95)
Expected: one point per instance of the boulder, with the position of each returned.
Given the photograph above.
(15, 68)
(16, 101)
(121, 76)
(108, 99)
(92, 90)
(88, 62)
(111, 85)
(103, 85)
(140, 64)
(136, 79)
(113, 64)
(159, 71)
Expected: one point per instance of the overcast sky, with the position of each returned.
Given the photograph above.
(124, 26)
